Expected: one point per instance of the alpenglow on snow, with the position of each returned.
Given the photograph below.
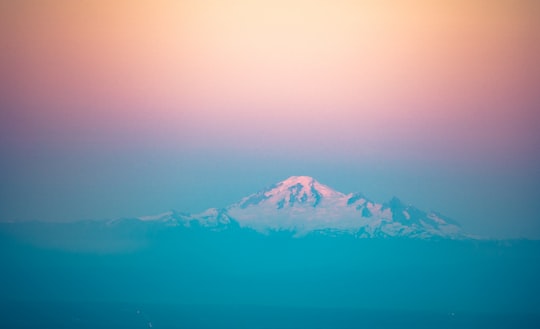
(302, 205)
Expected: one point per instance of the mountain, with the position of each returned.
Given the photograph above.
(302, 205)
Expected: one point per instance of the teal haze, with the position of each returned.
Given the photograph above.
(495, 198)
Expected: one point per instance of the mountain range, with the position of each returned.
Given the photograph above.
(295, 244)
(302, 205)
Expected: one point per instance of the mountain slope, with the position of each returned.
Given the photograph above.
(302, 205)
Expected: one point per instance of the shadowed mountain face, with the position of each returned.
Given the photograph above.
(302, 205)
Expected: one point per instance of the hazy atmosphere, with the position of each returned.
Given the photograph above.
(128, 108)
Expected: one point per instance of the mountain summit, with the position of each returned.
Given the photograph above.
(294, 191)
(302, 205)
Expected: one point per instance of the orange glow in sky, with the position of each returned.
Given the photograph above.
(245, 65)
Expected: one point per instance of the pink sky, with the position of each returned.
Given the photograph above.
(332, 73)
(435, 101)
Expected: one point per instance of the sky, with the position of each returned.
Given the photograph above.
(126, 108)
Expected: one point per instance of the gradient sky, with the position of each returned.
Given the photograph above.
(126, 108)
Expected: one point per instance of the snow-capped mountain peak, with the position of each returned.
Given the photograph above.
(295, 191)
(302, 205)
(308, 185)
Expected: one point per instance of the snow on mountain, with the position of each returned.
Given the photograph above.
(211, 218)
(299, 204)
(296, 190)
(302, 205)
